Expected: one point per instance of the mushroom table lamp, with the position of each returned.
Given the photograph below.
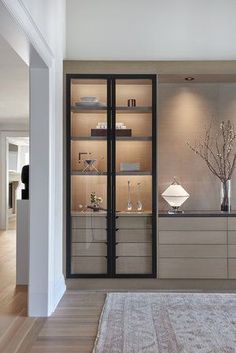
(175, 196)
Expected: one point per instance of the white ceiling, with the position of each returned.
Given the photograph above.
(14, 86)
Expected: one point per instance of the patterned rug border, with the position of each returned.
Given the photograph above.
(164, 292)
(101, 321)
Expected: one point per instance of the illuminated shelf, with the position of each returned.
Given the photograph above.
(80, 173)
(89, 109)
(134, 110)
(118, 138)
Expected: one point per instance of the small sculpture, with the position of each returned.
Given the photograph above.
(129, 203)
(89, 163)
(95, 202)
(139, 203)
(25, 180)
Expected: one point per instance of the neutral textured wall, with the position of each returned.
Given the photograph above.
(150, 29)
(184, 110)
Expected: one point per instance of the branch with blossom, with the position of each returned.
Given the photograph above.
(218, 150)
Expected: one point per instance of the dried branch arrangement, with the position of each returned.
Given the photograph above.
(218, 150)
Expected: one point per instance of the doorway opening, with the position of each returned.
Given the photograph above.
(17, 158)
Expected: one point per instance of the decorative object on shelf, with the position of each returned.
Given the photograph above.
(225, 196)
(132, 102)
(101, 130)
(95, 202)
(139, 203)
(119, 132)
(129, 203)
(89, 163)
(89, 101)
(129, 167)
(175, 195)
(25, 180)
(101, 125)
(219, 153)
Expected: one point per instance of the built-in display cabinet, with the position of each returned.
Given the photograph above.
(111, 175)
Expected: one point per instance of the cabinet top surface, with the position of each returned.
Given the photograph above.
(103, 214)
(197, 214)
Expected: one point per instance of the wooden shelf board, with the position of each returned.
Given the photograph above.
(118, 138)
(133, 173)
(134, 138)
(103, 213)
(75, 172)
(89, 138)
(95, 109)
(80, 173)
(134, 109)
(123, 109)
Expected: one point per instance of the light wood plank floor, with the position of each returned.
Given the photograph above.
(72, 328)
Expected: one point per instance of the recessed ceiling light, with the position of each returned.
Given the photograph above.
(189, 78)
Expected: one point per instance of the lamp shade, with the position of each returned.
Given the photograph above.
(175, 195)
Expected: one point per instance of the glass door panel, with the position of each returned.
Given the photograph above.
(88, 181)
(134, 171)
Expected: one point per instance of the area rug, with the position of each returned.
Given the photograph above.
(167, 323)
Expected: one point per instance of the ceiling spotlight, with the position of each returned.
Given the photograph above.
(189, 78)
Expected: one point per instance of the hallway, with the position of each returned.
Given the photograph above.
(72, 328)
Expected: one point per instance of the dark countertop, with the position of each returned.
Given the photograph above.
(198, 214)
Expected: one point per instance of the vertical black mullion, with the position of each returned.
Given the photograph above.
(68, 176)
(154, 178)
(114, 173)
(109, 181)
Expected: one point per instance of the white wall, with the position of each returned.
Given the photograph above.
(151, 29)
(39, 26)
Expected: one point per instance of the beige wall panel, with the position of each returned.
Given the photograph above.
(193, 223)
(134, 249)
(161, 67)
(192, 268)
(232, 251)
(183, 112)
(89, 221)
(232, 268)
(192, 237)
(193, 251)
(88, 265)
(134, 265)
(89, 249)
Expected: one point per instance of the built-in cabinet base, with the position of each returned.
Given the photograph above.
(197, 247)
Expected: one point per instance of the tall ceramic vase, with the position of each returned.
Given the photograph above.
(225, 195)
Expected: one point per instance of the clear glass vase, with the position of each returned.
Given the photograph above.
(225, 196)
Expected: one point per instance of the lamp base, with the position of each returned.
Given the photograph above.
(175, 210)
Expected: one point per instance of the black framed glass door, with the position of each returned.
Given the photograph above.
(134, 174)
(87, 118)
(111, 176)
